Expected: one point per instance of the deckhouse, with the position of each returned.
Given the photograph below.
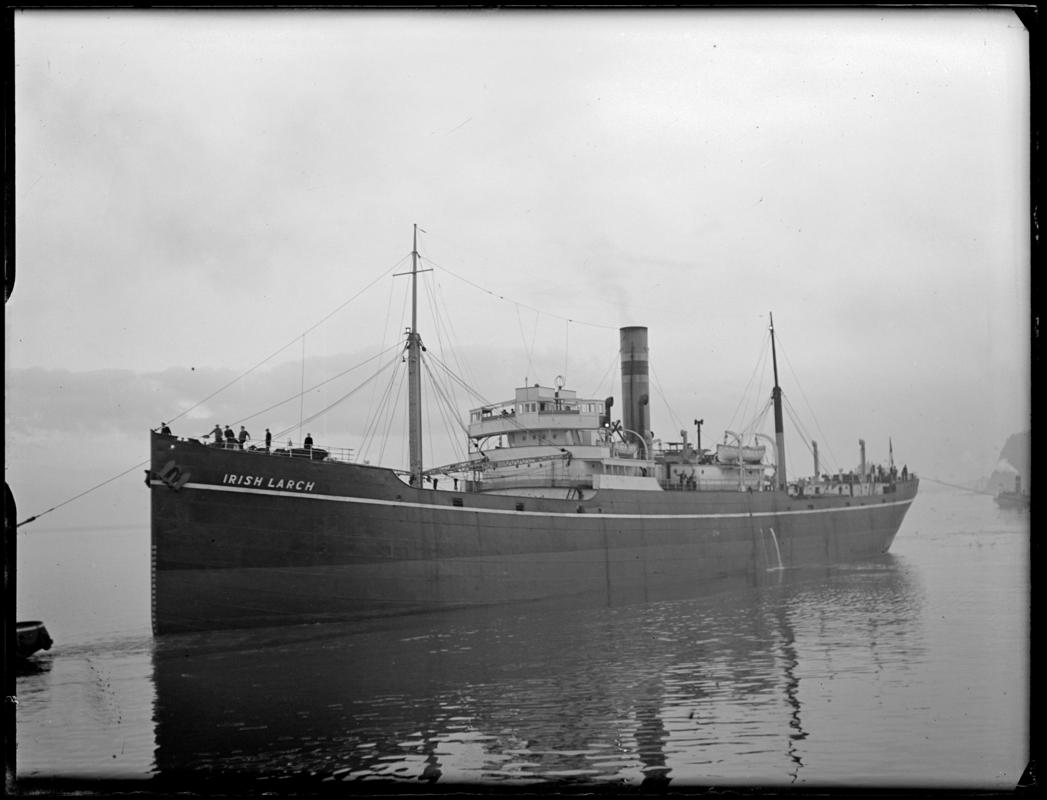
(549, 442)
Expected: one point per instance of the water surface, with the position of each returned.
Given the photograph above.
(910, 670)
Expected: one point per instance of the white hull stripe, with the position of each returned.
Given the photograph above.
(473, 509)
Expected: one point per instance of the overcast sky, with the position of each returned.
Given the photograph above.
(197, 190)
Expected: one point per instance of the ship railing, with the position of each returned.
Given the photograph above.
(709, 485)
(508, 409)
(534, 481)
(341, 454)
(504, 409)
(821, 488)
(221, 445)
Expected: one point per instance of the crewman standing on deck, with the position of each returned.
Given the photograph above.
(268, 440)
(217, 434)
(230, 437)
(244, 436)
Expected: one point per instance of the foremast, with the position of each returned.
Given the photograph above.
(779, 427)
(414, 375)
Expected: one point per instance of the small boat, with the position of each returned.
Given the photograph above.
(729, 453)
(32, 638)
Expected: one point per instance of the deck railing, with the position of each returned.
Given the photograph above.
(710, 485)
(341, 454)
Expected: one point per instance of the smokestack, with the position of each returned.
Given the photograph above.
(635, 383)
(861, 446)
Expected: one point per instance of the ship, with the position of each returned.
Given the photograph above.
(556, 501)
(1016, 499)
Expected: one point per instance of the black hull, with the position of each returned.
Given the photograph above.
(32, 638)
(244, 539)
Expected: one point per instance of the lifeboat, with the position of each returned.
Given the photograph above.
(732, 453)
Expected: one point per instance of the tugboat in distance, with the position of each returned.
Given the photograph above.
(1016, 499)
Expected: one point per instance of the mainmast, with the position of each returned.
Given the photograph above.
(779, 427)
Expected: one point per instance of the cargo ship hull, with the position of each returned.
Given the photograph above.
(249, 538)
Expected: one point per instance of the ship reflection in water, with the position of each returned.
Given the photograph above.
(705, 690)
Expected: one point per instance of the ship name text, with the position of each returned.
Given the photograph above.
(260, 481)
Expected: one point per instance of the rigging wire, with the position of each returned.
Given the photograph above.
(316, 386)
(381, 412)
(957, 486)
(86, 491)
(448, 412)
(459, 380)
(391, 415)
(237, 422)
(657, 385)
(340, 400)
(607, 373)
(295, 339)
(529, 349)
(523, 336)
(463, 368)
(437, 321)
(373, 411)
(441, 392)
(799, 386)
(515, 302)
(444, 332)
(806, 440)
(566, 347)
(511, 418)
(447, 419)
(756, 421)
(746, 396)
(442, 336)
(370, 434)
(301, 396)
(831, 461)
(442, 396)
